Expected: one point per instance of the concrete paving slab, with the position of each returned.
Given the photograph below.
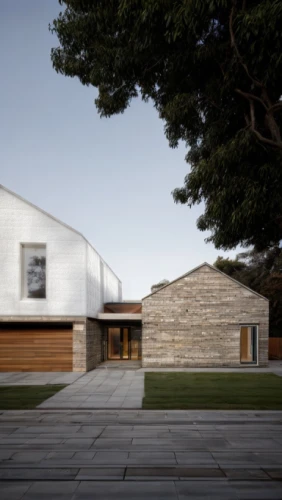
(118, 490)
(195, 457)
(11, 490)
(89, 446)
(110, 458)
(175, 472)
(151, 458)
(79, 443)
(29, 456)
(62, 490)
(38, 378)
(100, 473)
(259, 490)
(38, 474)
(247, 474)
(100, 389)
(202, 491)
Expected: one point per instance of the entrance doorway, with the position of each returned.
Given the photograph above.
(249, 344)
(124, 343)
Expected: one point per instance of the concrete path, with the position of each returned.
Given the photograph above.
(38, 378)
(126, 454)
(101, 389)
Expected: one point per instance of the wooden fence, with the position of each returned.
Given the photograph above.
(275, 348)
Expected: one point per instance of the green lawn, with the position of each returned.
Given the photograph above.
(212, 391)
(25, 397)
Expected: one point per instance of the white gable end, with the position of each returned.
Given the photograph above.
(20, 223)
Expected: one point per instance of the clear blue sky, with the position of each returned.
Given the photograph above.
(111, 179)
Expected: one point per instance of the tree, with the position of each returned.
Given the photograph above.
(36, 277)
(159, 285)
(262, 272)
(229, 266)
(213, 71)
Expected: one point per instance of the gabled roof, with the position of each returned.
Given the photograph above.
(57, 220)
(214, 269)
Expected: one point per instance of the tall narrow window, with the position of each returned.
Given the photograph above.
(33, 271)
(249, 344)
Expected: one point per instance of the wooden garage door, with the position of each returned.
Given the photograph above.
(35, 348)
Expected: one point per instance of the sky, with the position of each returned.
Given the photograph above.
(111, 179)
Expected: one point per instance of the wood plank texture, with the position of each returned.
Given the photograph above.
(36, 350)
(275, 348)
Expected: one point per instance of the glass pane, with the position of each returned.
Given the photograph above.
(255, 343)
(134, 349)
(136, 343)
(125, 344)
(114, 343)
(34, 271)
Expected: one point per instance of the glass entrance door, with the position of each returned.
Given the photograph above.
(114, 343)
(124, 343)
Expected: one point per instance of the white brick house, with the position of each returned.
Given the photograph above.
(76, 283)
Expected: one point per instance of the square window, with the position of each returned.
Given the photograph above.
(33, 271)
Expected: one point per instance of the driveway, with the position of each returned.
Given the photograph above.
(126, 454)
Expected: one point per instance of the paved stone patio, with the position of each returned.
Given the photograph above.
(102, 388)
(135, 454)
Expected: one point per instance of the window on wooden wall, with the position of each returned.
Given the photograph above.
(33, 271)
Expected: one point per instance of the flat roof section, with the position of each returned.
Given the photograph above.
(120, 316)
(129, 307)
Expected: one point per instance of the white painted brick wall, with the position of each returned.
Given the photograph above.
(102, 284)
(73, 266)
(112, 286)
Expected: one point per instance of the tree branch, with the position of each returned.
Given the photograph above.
(252, 97)
(206, 98)
(252, 113)
(251, 125)
(267, 141)
(264, 100)
(234, 45)
(275, 107)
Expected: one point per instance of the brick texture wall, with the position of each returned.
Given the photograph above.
(195, 321)
(93, 343)
(87, 345)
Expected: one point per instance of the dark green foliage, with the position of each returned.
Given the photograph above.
(212, 391)
(26, 397)
(213, 70)
(262, 272)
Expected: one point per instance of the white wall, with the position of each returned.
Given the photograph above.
(112, 286)
(78, 281)
(65, 261)
(102, 284)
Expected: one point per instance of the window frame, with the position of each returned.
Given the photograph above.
(29, 244)
(251, 363)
